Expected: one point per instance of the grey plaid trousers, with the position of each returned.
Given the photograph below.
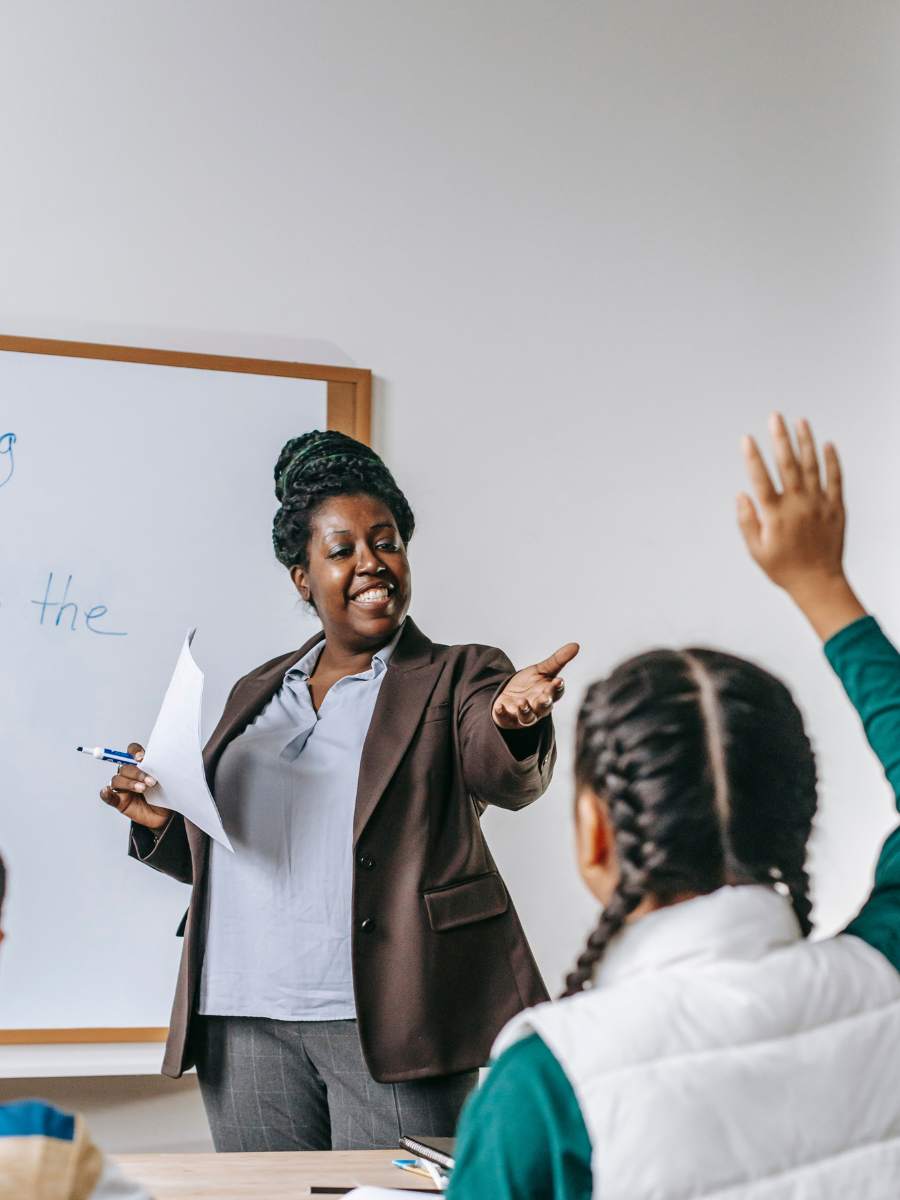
(304, 1085)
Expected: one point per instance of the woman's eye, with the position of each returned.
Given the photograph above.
(340, 551)
(386, 546)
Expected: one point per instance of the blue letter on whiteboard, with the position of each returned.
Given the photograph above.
(94, 615)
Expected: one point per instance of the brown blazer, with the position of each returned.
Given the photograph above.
(440, 962)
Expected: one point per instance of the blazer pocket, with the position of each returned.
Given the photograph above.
(465, 902)
(437, 712)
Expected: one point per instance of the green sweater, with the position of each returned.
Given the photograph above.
(522, 1136)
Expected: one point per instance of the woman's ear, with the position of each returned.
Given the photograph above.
(595, 843)
(300, 581)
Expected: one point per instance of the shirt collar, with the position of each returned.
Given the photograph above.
(303, 669)
(743, 922)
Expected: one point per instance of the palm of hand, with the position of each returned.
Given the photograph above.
(801, 534)
(799, 531)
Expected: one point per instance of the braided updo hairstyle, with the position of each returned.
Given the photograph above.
(317, 465)
(709, 777)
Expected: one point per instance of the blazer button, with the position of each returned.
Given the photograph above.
(367, 925)
(366, 861)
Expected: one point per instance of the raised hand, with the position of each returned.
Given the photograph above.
(797, 536)
(126, 792)
(532, 692)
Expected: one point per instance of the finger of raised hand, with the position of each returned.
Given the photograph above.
(749, 524)
(758, 472)
(785, 458)
(834, 486)
(809, 460)
(136, 751)
(554, 664)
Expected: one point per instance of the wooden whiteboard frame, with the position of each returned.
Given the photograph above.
(349, 396)
(348, 410)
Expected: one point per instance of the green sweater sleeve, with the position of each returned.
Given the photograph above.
(868, 666)
(521, 1135)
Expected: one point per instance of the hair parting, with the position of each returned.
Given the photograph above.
(715, 748)
(709, 779)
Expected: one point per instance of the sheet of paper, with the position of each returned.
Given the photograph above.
(174, 754)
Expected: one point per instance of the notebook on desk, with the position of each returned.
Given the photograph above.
(438, 1150)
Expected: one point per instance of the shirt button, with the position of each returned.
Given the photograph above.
(366, 861)
(367, 925)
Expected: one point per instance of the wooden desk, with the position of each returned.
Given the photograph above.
(275, 1176)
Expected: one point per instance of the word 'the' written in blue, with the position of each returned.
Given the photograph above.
(65, 605)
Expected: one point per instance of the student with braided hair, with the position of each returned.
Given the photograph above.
(703, 1047)
(346, 970)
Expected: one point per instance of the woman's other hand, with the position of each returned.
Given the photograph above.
(126, 792)
(797, 537)
(532, 692)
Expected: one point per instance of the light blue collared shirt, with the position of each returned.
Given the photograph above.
(278, 943)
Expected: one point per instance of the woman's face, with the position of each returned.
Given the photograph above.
(358, 574)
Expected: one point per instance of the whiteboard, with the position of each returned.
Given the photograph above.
(137, 500)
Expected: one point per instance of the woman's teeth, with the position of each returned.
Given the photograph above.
(372, 595)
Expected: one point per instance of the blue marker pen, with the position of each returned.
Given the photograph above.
(113, 756)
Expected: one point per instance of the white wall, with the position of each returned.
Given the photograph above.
(583, 246)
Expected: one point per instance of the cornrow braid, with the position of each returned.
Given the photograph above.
(624, 808)
(709, 779)
(320, 464)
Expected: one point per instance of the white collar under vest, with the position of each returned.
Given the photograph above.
(744, 922)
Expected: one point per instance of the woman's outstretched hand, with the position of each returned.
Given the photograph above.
(797, 537)
(126, 792)
(532, 692)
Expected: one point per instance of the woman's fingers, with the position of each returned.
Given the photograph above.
(131, 779)
(524, 709)
(506, 715)
(765, 490)
(554, 664)
(126, 792)
(135, 807)
(785, 458)
(531, 693)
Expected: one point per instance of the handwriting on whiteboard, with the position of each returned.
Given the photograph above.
(7, 462)
(91, 617)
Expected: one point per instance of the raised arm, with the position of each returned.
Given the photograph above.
(797, 537)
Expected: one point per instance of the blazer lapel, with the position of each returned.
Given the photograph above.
(249, 699)
(408, 683)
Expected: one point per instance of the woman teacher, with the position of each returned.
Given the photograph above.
(346, 969)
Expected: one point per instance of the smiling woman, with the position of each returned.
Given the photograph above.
(346, 969)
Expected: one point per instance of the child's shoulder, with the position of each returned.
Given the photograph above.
(34, 1118)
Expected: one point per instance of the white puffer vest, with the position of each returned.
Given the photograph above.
(721, 1055)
